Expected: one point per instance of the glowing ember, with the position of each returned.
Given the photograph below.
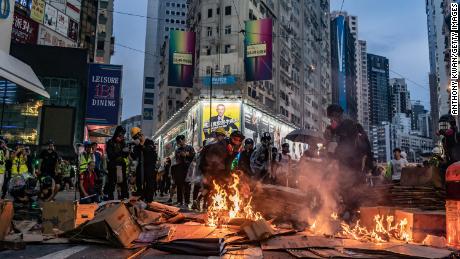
(229, 204)
(334, 216)
(313, 226)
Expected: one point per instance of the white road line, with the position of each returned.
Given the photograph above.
(64, 253)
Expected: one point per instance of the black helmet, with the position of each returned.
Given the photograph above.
(266, 136)
(285, 145)
(249, 141)
(238, 134)
(180, 137)
(119, 130)
(50, 142)
(334, 109)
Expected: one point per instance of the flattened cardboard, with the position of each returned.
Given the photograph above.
(58, 215)
(85, 212)
(6, 216)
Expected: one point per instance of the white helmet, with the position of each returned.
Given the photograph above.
(404, 154)
(436, 151)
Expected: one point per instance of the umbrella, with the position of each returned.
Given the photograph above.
(305, 136)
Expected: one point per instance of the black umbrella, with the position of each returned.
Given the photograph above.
(305, 136)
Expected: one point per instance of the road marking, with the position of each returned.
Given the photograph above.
(64, 253)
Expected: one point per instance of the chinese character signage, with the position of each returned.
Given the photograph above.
(24, 30)
(37, 11)
(258, 50)
(104, 88)
(181, 58)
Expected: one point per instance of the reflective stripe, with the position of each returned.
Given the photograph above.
(84, 162)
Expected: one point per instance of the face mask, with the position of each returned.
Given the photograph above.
(137, 141)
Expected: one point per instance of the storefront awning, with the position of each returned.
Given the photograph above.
(21, 74)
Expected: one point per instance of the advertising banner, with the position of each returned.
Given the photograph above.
(62, 24)
(73, 9)
(49, 37)
(73, 30)
(258, 50)
(24, 30)
(50, 17)
(104, 88)
(223, 115)
(181, 58)
(219, 80)
(37, 11)
(58, 4)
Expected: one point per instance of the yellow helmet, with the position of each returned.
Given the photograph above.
(220, 131)
(135, 131)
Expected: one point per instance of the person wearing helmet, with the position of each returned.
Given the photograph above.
(283, 172)
(245, 157)
(220, 134)
(184, 156)
(261, 158)
(115, 162)
(145, 153)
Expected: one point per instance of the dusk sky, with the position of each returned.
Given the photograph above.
(392, 28)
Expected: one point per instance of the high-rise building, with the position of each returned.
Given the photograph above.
(362, 85)
(438, 21)
(379, 89)
(299, 91)
(343, 62)
(163, 16)
(400, 97)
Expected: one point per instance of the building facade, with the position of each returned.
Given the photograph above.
(400, 97)
(344, 63)
(363, 85)
(163, 16)
(131, 122)
(379, 90)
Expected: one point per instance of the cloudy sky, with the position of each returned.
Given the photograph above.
(392, 28)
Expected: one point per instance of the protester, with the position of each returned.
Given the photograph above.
(165, 182)
(88, 185)
(244, 163)
(283, 172)
(115, 161)
(4, 157)
(396, 165)
(197, 178)
(349, 146)
(48, 188)
(146, 155)
(66, 170)
(184, 155)
(8, 167)
(19, 161)
(86, 157)
(49, 162)
(261, 158)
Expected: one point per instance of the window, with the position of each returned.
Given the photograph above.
(227, 70)
(183, 5)
(218, 11)
(173, 13)
(177, 21)
(208, 70)
(228, 10)
(167, 4)
(227, 48)
(209, 13)
(167, 20)
(166, 28)
(208, 51)
(167, 11)
(228, 29)
(148, 101)
(173, 4)
(182, 29)
(182, 22)
(183, 14)
(209, 31)
(149, 95)
(178, 91)
(149, 82)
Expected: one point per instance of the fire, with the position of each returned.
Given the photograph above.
(229, 204)
(384, 230)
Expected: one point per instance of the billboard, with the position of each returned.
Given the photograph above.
(258, 50)
(181, 58)
(50, 17)
(61, 133)
(73, 9)
(62, 24)
(37, 10)
(225, 115)
(49, 37)
(58, 4)
(24, 30)
(73, 30)
(104, 88)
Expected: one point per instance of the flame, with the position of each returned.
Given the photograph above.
(313, 226)
(334, 216)
(382, 232)
(229, 204)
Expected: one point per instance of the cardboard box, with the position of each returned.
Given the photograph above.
(58, 215)
(423, 223)
(6, 216)
(84, 212)
(367, 214)
(114, 224)
(421, 176)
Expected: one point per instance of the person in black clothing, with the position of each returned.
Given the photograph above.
(146, 155)
(49, 162)
(184, 156)
(165, 183)
(245, 157)
(115, 147)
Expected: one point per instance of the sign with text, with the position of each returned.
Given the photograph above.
(104, 88)
(37, 11)
(258, 50)
(219, 80)
(181, 58)
(49, 37)
(24, 30)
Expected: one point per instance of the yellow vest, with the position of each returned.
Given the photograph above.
(2, 162)
(19, 166)
(126, 162)
(84, 162)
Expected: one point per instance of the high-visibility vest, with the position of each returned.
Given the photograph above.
(19, 166)
(84, 162)
(2, 162)
(126, 162)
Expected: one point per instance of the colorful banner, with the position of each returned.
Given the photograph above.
(223, 115)
(104, 88)
(24, 30)
(219, 80)
(181, 58)
(50, 17)
(37, 11)
(258, 50)
(62, 25)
